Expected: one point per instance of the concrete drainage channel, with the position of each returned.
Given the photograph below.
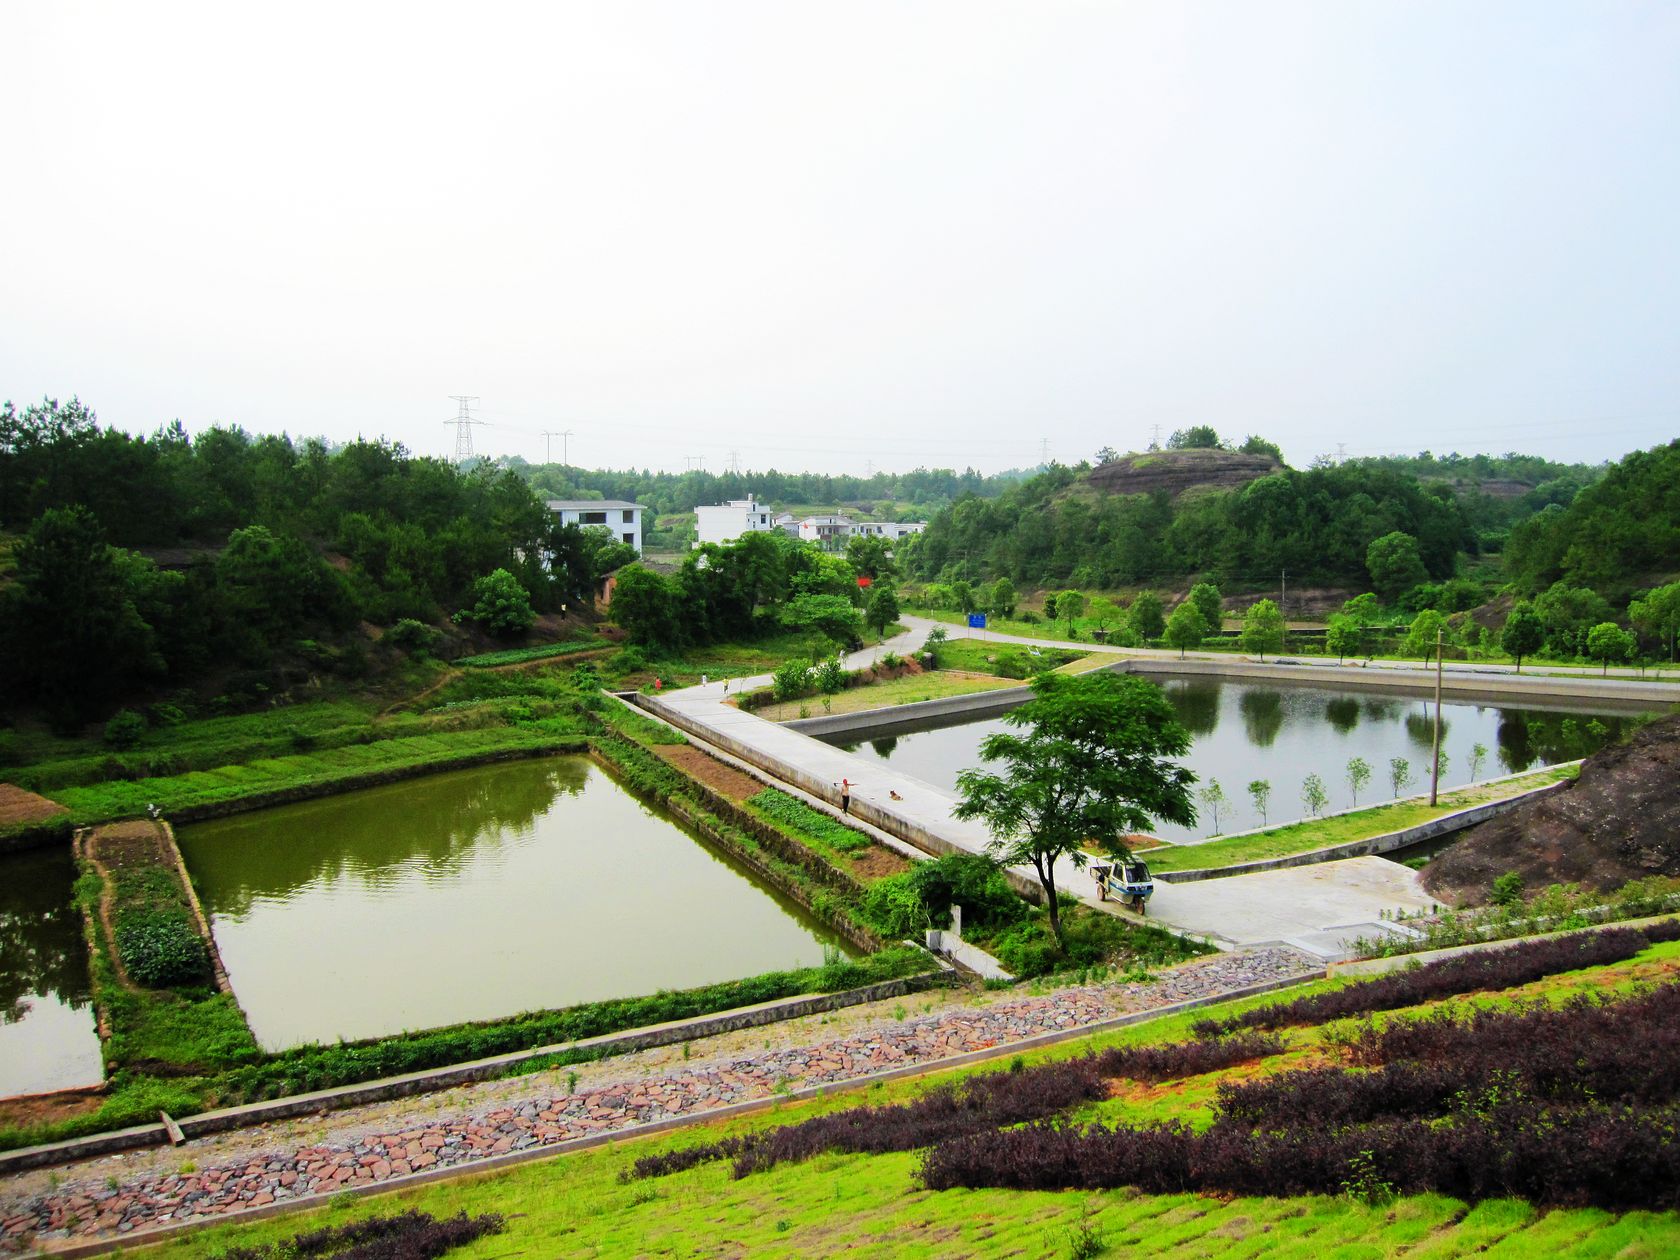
(654, 1035)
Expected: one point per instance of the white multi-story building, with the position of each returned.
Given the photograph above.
(725, 522)
(623, 519)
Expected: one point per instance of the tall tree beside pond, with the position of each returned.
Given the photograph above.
(1478, 754)
(1523, 634)
(1657, 613)
(1313, 795)
(1262, 629)
(1394, 564)
(1607, 642)
(1260, 790)
(1070, 606)
(1213, 796)
(1399, 775)
(1147, 619)
(1344, 635)
(1091, 759)
(1205, 596)
(1424, 632)
(1185, 628)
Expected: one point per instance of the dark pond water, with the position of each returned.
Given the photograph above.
(1242, 732)
(474, 895)
(48, 1037)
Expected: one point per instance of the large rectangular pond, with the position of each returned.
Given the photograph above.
(48, 1036)
(474, 895)
(1243, 731)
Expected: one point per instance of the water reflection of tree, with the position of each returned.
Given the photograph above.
(1420, 729)
(41, 949)
(371, 834)
(1381, 710)
(1262, 713)
(884, 747)
(1343, 713)
(1197, 706)
(1527, 737)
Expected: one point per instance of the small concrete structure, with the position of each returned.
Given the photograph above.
(725, 522)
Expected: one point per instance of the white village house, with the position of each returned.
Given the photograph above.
(725, 522)
(623, 519)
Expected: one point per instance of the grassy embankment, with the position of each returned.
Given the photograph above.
(872, 1205)
(1321, 833)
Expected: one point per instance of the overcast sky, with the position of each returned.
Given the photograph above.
(823, 235)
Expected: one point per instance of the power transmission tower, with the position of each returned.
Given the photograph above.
(463, 423)
(1154, 437)
(548, 449)
(735, 462)
(1341, 452)
(1044, 450)
(695, 461)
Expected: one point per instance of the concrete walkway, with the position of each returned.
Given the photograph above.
(1311, 907)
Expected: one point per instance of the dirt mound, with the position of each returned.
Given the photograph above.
(1619, 821)
(1178, 471)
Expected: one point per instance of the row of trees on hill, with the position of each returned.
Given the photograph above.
(267, 548)
(1318, 524)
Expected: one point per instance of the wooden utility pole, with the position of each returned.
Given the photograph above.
(1435, 750)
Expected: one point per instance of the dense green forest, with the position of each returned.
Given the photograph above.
(153, 560)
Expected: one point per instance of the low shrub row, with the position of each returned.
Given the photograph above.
(1502, 968)
(406, 1235)
(1609, 1157)
(979, 1102)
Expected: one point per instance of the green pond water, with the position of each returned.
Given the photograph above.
(474, 895)
(48, 1037)
(1243, 731)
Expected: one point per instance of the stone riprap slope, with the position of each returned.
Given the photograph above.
(480, 1121)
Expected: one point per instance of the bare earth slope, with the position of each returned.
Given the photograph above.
(1619, 821)
(1178, 471)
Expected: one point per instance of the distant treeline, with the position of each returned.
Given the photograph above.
(260, 548)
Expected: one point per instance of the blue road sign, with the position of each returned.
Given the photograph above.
(976, 621)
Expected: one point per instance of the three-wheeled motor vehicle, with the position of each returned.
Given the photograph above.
(1128, 882)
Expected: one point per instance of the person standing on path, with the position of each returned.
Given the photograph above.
(845, 786)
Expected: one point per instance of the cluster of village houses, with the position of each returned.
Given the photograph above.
(725, 522)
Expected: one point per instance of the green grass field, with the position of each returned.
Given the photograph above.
(871, 1206)
(1320, 833)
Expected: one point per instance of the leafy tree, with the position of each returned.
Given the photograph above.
(1262, 629)
(1107, 455)
(1205, 596)
(1362, 608)
(1198, 437)
(870, 555)
(1185, 628)
(1213, 796)
(272, 584)
(1478, 754)
(1001, 598)
(830, 675)
(74, 637)
(501, 605)
(1394, 564)
(1569, 613)
(793, 678)
(832, 615)
(1313, 795)
(1070, 606)
(1089, 760)
(1358, 775)
(1103, 610)
(1399, 775)
(1344, 635)
(1608, 642)
(1261, 791)
(1523, 634)
(1254, 444)
(1422, 634)
(1146, 616)
(1657, 613)
(962, 593)
(883, 609)
(649, 606)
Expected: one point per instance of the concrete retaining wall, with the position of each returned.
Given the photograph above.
(881, 721)
(463, 1073)
(1446, 824)
(1398, 962)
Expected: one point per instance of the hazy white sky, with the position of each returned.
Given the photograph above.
(824, 234)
